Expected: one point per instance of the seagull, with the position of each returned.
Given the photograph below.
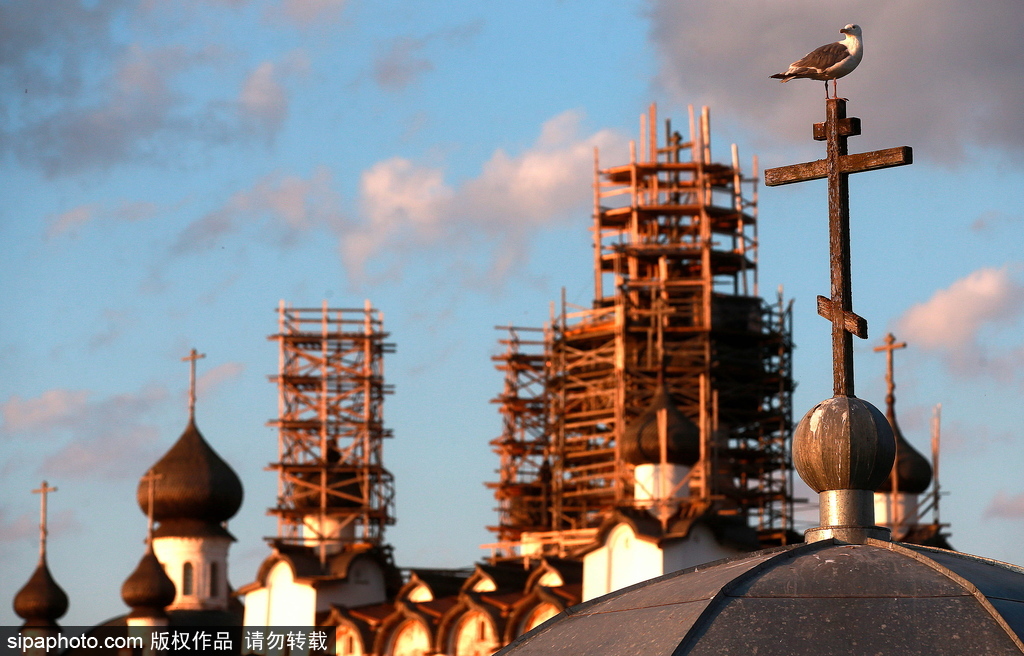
(829, 62)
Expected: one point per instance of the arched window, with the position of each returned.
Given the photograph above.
(348, 641)
(214, 580)
(540, 614)
(474, 636)
(186, 579)
(411, 639)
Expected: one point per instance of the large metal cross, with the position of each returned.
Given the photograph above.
(837, 167)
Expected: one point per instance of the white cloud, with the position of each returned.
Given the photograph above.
(722, 53)
(957, 323)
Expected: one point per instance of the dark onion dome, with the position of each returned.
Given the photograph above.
(148, 590)
(196, 490)
(826, 597)
(913, 471)
(641, 443)
(40, 602)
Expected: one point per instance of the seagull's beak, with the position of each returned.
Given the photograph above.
(844, 31)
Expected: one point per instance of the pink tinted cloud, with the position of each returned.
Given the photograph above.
(952, 317)
(78, 436)
(958, 324)
(215, 378)
(263, 101)
(1004, 506)
(285, 204)
(406, 206)
(53, 409)
(71, 222)
(25, 527)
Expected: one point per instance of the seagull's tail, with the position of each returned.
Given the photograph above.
(782, 76)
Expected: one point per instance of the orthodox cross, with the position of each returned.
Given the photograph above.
(150, 480)
(191, 359)
(890, 346)
(837, 167)
(890, 399)
(43, 490)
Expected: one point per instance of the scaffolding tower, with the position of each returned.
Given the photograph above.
(524, 448)
(333, 490)
(676, 303)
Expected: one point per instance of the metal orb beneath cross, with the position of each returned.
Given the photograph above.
(843, 449)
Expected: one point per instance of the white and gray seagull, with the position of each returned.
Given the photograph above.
(829, 62)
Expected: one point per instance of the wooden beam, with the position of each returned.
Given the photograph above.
(818, 169)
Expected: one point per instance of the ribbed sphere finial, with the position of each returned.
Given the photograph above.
(843, 443)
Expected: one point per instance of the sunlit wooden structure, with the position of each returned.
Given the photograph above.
(333, 488)
(675, 299)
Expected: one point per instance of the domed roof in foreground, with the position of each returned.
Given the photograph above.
(826, 597)
(195, 487)
(641, 443)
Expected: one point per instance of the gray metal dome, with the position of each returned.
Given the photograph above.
(821, 598)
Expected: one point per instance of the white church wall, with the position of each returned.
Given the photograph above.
(363, 585)
(289, 603)
(623, 560)
(207, 559)
(699, 547)
(893, 509)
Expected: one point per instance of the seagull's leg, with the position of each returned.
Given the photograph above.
(835, 89)
(826, 89)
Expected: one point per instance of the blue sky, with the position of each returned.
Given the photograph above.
(170, 173)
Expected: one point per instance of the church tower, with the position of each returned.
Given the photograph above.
(196, 494)
(658, 418)
(335, 497)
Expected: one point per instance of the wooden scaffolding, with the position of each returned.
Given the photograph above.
(333, 489)
(676, 299)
